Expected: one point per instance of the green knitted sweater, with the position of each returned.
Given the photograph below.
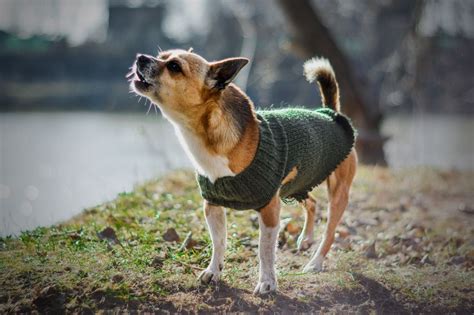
(315, 141)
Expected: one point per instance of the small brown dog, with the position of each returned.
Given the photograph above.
(221, 133)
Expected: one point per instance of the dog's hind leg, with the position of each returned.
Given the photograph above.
(269, 221)
(216, 222)
(306, 238)
(339, 184)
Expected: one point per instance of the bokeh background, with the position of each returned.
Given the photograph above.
(72, 136)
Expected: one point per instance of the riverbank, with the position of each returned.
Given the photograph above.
(405, 245)
(55, 164)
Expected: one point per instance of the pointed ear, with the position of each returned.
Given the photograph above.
(222, 72)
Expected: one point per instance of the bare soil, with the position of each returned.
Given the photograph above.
(405, 245)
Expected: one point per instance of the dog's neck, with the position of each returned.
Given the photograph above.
(223, 138)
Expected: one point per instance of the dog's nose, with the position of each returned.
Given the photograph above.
(143, 60)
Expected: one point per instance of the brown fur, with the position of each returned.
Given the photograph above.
(244, 151)
(207, 207)
(223, 117)
(307, 234)
(270, 214)
(339, 184)
(328, 89)
(228, 125)
(291, 175)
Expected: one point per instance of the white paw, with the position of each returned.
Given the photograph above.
(315, 265)
(208, 276)
(304, 243)
(264, 287)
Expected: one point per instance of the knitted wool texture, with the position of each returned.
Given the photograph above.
(313, 141)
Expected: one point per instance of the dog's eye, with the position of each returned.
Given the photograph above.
(173, 66)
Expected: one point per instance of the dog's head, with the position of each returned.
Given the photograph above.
(180, 81)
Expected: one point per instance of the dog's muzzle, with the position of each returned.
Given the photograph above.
(143, 69)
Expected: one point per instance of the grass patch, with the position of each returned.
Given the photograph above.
(118, 255)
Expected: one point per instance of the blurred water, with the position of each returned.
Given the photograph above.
(437, 140)
(55, 164)
(52, 165)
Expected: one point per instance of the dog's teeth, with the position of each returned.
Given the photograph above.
(141, 77)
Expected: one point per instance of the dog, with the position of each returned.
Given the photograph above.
(223, 136)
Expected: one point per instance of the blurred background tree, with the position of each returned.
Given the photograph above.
(311, 38)
(71, 134)
(388, 55)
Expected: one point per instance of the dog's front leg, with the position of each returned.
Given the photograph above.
(269, 221)
(216, 222)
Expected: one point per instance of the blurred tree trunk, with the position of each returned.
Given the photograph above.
(312, 38)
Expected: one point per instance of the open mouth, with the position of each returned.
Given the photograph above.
(139, 80)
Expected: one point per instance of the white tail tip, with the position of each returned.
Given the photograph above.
(314, 66)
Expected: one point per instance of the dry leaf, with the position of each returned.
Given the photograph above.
(117, 278)
(282, 239)
(466, 209)
(457, 260)
(292, 228)
(108, 234)
(370, 251)
(343, 232)
(426, 260)
(188, 242)
(171, 235)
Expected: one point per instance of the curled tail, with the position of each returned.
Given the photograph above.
(320, 69)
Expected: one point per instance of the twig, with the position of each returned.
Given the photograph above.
(189, 266)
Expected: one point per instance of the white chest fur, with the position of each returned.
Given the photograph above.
(210, 165)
